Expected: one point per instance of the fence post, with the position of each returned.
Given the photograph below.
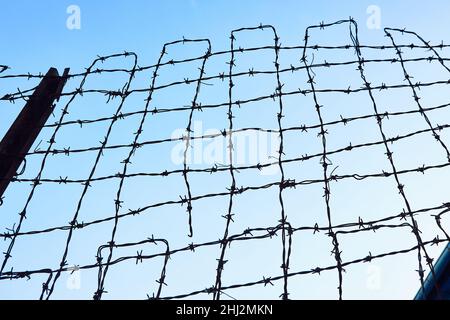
(21, 135)
(437, 287)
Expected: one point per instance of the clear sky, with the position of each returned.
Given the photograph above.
(34, 36)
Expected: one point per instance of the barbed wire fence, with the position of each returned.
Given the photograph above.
(105, 260)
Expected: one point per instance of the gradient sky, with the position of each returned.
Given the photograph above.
(34, 37)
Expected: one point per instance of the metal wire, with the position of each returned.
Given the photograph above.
(406, 219)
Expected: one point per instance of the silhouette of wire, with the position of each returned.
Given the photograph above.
(105, 259)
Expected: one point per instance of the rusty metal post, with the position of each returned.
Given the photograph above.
(21, 135)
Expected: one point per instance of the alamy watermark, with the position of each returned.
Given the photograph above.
(73, 21)
(74, 279)
(211, 147)
(374, 277)
(374, 18)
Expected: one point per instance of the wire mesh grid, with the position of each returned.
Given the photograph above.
(199, 212)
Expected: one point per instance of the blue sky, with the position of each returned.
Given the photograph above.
(34, 38)
(35, 31)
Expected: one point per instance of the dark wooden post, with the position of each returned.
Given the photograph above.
(21, 135)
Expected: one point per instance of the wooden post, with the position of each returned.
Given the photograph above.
(21, 135)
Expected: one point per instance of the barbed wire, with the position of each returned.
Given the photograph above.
(405, 219)
(426, 45)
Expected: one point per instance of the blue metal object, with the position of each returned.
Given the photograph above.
(438, 287)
